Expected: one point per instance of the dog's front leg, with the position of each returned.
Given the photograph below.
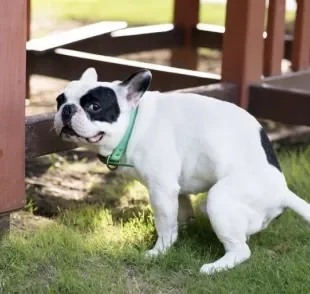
(164, 201)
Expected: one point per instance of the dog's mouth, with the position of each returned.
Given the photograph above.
(70, 132)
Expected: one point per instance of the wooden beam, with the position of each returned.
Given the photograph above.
(75, 35)
(274, 43)
(116, 40)
(242, 60)
(41, 138)
(131, 40)
(12, 108)
(284, 98)
(68, 64)
(291, 80)
(144, 38)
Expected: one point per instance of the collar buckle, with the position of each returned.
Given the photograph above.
(111, 166)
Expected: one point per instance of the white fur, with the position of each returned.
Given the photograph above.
(185, 144)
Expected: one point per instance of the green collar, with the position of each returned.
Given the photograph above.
(113, 161)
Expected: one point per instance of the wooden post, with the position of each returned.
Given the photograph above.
(301, 42)
(242, 61)
(274, 44)
(28, 20)
(12, 104)
(185, 19)
(28, 36)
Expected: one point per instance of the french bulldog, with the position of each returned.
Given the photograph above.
(183, 144)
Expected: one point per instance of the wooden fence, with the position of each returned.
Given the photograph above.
(251, 69)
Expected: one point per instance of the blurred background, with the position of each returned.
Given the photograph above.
(54, 16)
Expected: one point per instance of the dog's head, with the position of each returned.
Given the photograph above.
(96, 114)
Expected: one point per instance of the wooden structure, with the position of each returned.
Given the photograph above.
(12, 106)
(251, 69)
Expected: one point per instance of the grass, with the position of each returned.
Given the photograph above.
(133, 11)
(86, 250)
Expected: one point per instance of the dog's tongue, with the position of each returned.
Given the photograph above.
(95, 138)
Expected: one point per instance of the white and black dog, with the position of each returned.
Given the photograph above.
(183, 144)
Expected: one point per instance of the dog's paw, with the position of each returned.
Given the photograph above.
(152, 253)
(209, 269)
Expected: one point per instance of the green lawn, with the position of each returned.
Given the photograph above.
(132, 11)
(86, 250)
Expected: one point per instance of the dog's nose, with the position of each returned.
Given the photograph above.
(67, 112)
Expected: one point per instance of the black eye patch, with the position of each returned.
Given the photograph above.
(61, 99)
(101, 104)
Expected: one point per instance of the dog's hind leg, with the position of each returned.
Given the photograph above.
(230, 220)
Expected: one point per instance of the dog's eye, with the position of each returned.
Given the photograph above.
(93, 107)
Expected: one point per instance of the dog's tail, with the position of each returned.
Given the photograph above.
(297, 204)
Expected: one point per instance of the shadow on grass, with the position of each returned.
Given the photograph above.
(112, 193)
(40, 165)
(122, 196)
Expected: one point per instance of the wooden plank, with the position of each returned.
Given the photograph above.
(242, 60)
(274, 43)
(12, 104)
(145, 38)
(284, 98)
(298, 81)
(75, 35)
(301, 42)
(288, 106)
(68, 64)
(131, 40)
(41, 138)
(39, 128)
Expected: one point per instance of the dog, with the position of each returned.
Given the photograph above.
(182, 144)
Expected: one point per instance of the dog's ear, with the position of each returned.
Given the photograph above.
(136, 85)
(89, 75)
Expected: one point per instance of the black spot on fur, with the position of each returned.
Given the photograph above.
(270, 153)
(101, 104)
(61, 99)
